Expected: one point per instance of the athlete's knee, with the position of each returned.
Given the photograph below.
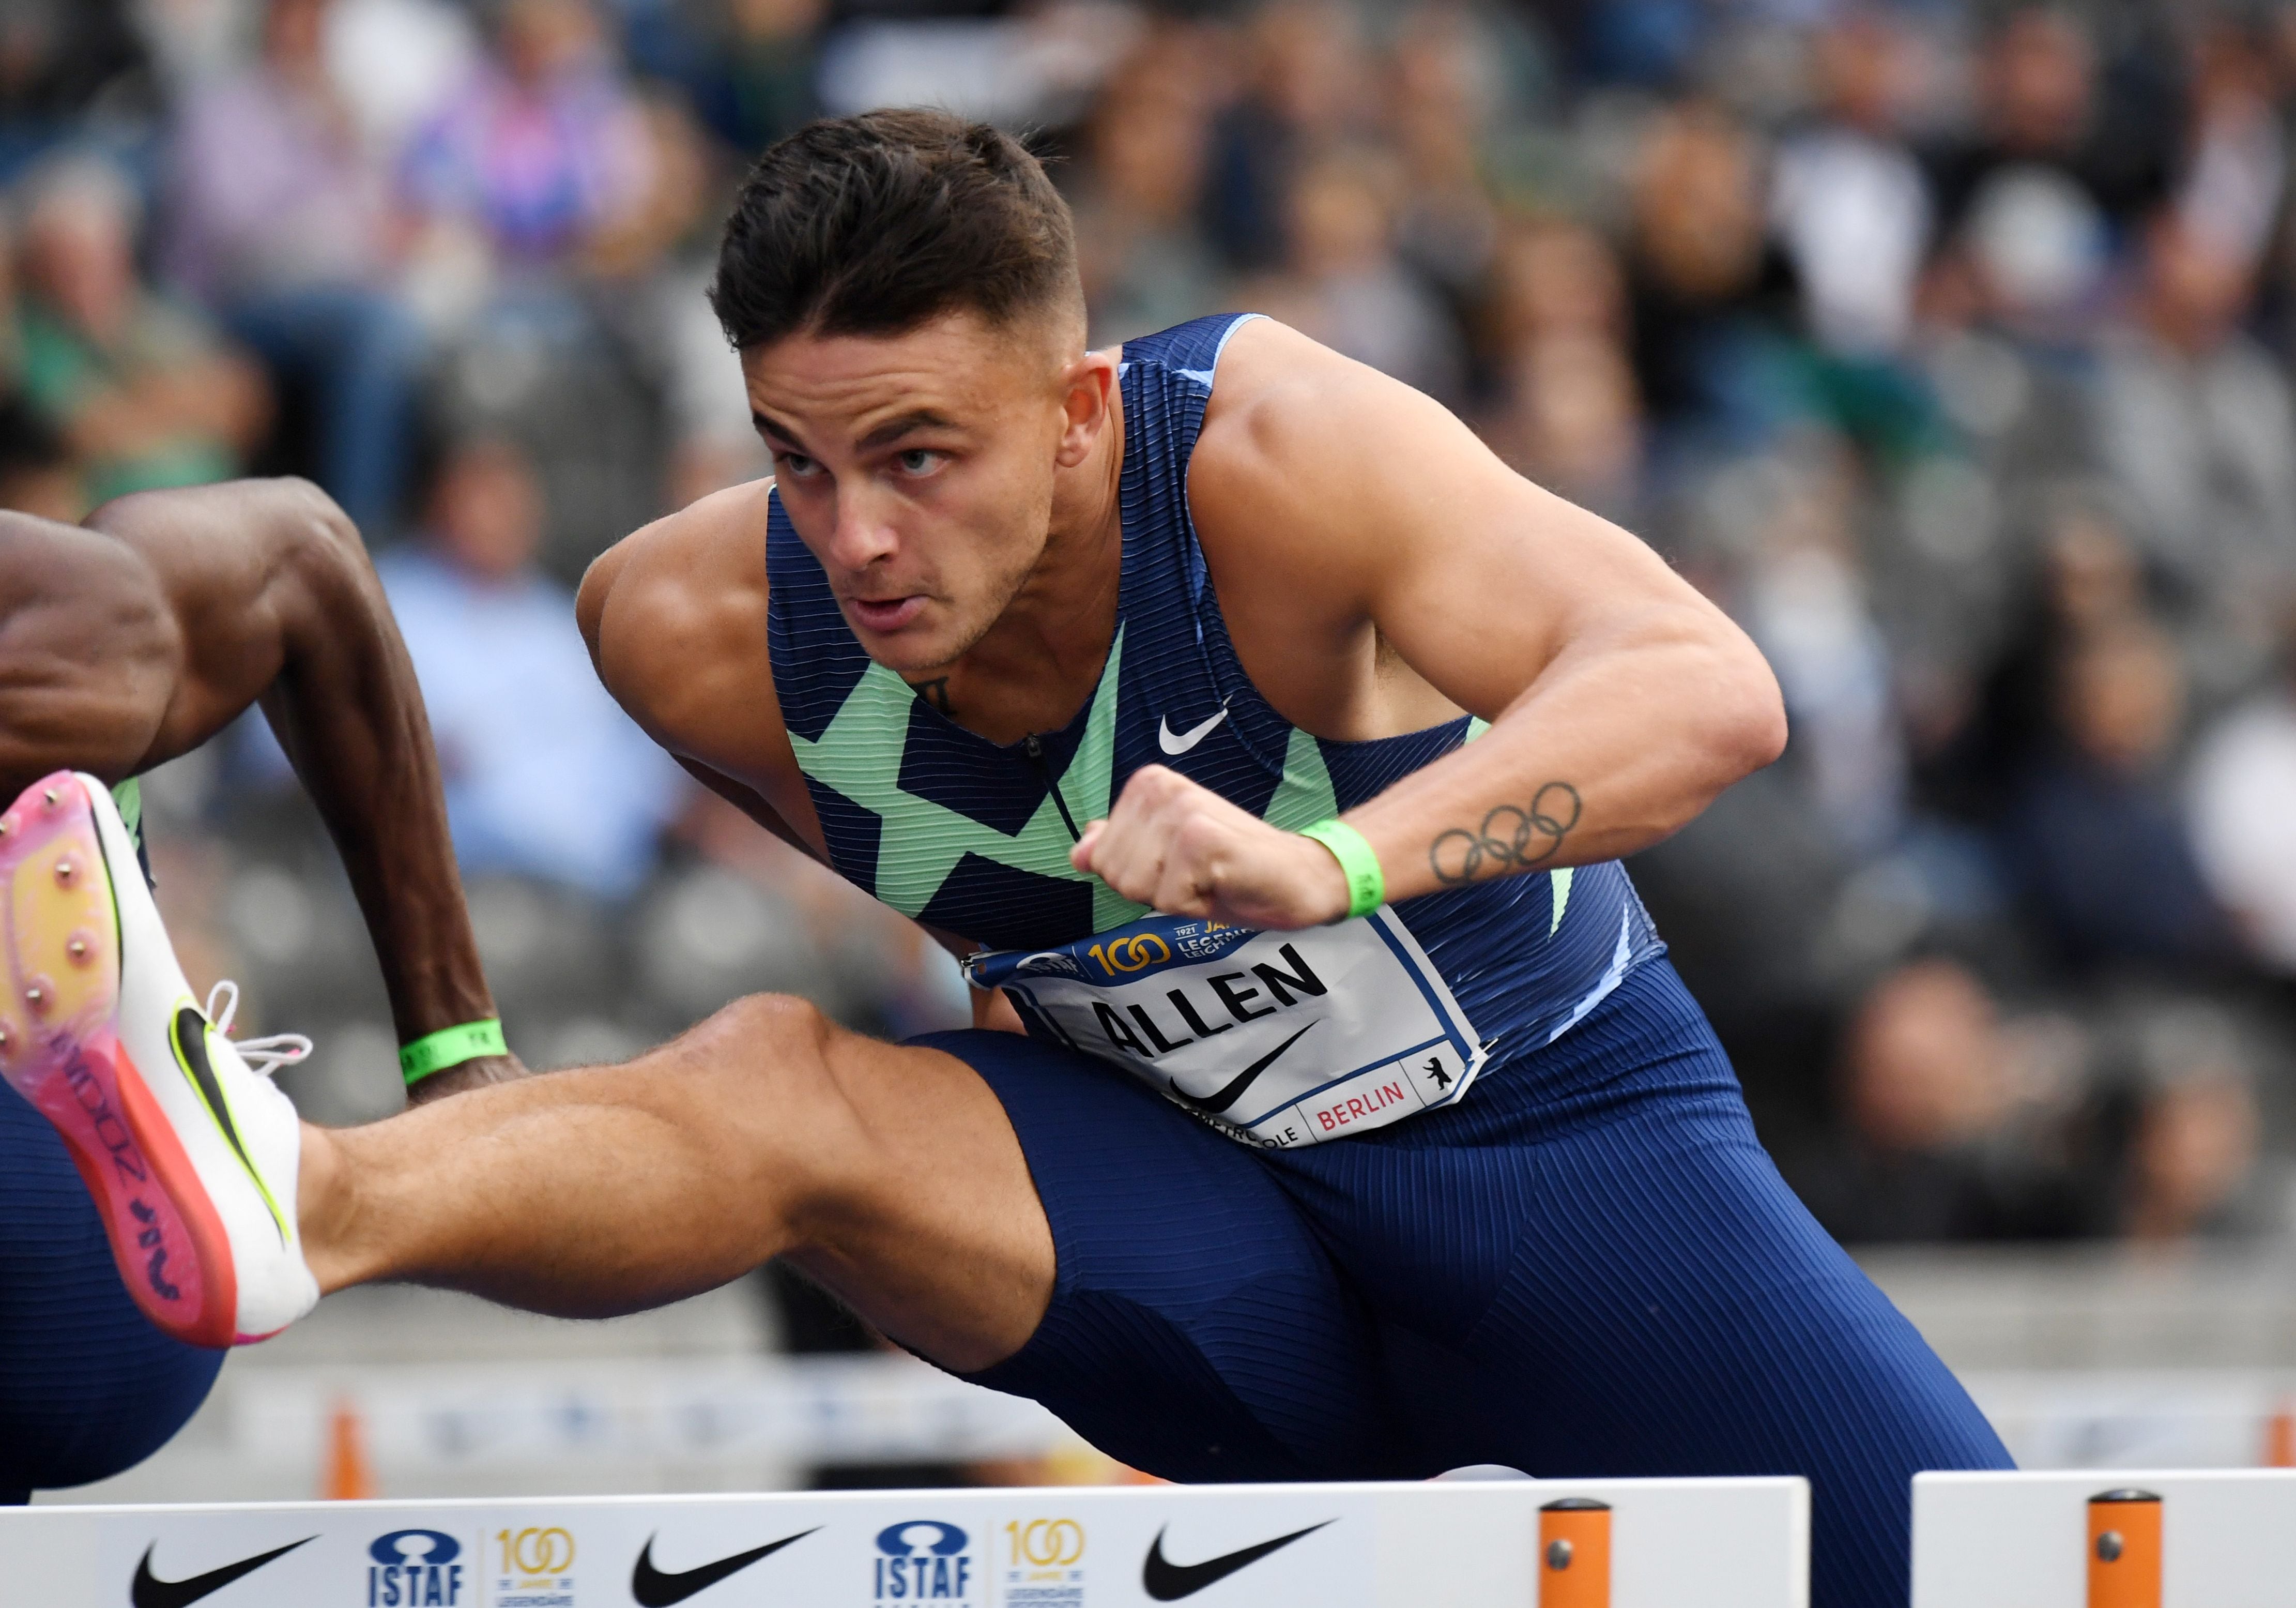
(767, 1060)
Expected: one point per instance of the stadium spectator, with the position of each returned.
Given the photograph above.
(143, 390)
(1141, 247)
(2044, 114)
(2192, 1168)
(541, 149)
(2193, 419)
(544, 777)
(1345, 285)
(1309, 93)
(1930, 1090)
(1572, 422)
(1712, 301)
(2096, 832)
(1847, 199)
(282, 224)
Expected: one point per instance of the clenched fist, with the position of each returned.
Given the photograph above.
(1187, 851)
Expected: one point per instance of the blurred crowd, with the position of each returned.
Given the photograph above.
(1947, 346)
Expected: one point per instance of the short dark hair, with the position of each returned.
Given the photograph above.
(873, 224)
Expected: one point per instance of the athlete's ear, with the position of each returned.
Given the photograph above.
(1087, 404)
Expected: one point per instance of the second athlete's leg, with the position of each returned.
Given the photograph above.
(889, 1172)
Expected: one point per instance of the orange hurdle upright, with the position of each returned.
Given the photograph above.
(2124, 1549)
(1574, 1553)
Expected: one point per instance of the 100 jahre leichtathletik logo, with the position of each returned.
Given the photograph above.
(536, 1567)
(1044, 1563)
(415, 1569)
(925, 1564)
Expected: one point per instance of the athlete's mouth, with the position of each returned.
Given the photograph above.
(886, 614)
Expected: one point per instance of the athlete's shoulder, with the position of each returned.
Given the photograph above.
(1298, 447)
(679, 606)
(1281, 400)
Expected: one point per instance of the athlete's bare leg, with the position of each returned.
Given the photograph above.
(889, 1173)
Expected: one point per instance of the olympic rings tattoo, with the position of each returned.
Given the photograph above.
(1504, 841)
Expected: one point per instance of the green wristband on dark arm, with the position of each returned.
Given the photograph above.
(451, 1046)
(1367, 883)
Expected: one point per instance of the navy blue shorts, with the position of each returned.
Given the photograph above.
(87, 1386)
(1588, 1267)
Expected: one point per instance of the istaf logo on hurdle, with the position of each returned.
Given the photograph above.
(927, 1563)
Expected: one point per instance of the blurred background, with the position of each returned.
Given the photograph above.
(1947, 346)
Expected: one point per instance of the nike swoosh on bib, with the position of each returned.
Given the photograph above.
(1167, 1582)
(658, 1588)
(1188, 739)
(1220, 1099)
(149, 1591)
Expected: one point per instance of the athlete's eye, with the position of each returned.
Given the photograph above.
(796, 464)
(918, 461)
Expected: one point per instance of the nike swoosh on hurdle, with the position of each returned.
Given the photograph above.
(149, 1591)
(1220, 1099)
(655, 1588)
(1167, 1582)
(1186, 740)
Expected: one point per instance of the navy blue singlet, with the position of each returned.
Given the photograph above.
(972, 837)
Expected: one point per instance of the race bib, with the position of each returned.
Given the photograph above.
(1275, 1038)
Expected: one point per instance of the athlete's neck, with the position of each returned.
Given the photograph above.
(1039, 662)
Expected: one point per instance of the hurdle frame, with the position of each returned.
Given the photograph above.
(1737, 1542)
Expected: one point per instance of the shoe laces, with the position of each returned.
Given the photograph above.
(264, 1055)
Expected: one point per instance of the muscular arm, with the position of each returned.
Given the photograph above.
(1621, 701)
(135, 639)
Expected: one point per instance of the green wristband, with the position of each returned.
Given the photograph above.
(451, 1046)
(1366, 886)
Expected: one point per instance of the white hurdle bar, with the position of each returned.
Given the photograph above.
(2108, 1538)
(1536, 1544)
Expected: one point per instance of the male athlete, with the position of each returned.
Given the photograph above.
(123, 644)
(1273, 747)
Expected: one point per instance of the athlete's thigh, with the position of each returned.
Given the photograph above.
(1680, 1313)
(1198, 1328)
(923, 1218)
(87, 1386)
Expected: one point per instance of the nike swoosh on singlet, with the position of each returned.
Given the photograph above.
(149, 1591)
(1167, 1582)
(658, 1588)
(1220, 1099)
(1186, 740)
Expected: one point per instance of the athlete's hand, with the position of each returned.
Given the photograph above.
(1187, 851)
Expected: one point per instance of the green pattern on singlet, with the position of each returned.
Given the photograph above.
(859, 755)
(129, 796)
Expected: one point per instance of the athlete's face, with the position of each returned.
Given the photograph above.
(921, 469)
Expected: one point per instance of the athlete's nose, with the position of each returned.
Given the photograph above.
(863, 533)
